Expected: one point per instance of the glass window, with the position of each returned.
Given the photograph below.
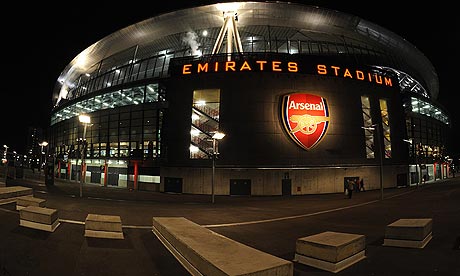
(385, 127)
(205, 122)
(367, 122)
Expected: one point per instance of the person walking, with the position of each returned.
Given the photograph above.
(350, 188)
(361, 185)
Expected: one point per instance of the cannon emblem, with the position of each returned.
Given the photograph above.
(307, 124)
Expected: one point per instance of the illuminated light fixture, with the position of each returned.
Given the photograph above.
(229, 26)
(84, 119)
(193, 149)
(194, 132)
(218, 135)
(205, 33)
(200, 103)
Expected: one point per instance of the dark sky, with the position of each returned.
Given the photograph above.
(40, 39)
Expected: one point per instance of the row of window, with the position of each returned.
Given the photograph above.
(121, 133)
(124, 97)
(425, 108)
(148, 61)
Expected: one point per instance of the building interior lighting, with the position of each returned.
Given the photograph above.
(218, 135)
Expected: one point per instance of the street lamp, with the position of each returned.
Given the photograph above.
(42, 144)
(85, 120)
(376, 127)
(215, 137)
(415, 153)
(6, 162)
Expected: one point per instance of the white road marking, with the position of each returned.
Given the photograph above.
(245, 222)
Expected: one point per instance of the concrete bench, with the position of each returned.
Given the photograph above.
(9, 194)
(41, 218)
(204, 252)
(330, 251)
(24, 201)
(103, 226)
(412, 233)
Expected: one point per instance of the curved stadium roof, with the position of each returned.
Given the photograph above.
(288, 21)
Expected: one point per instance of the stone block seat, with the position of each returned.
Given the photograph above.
(204, 252)
(10, 194)
(103, 226)
(40, 218)
(409, 232)
(330, 251)
(24, 201)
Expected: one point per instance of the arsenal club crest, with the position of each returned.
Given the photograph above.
(305, 118)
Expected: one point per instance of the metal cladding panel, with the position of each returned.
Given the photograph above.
(309, 22)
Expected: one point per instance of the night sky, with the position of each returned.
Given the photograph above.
(40, 39)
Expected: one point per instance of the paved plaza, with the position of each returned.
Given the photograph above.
(270, 223)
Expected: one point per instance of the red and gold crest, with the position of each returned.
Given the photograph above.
(305, 118)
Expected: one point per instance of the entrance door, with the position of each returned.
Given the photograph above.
(240, 186)
(112, 179)
(401, 180)
(95, 177)
(173, 185)
(286, 187)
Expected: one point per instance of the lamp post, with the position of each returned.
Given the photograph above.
(85, 120)
(376, 127)
(42, 144)
(415, 153)
(215, 137)
(6, 162)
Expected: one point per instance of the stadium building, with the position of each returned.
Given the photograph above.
(250, 98)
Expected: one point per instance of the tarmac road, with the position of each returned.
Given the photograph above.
(271, 224)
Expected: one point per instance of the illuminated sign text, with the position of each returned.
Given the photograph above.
(277, 66)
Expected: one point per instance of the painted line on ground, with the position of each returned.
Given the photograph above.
(137, 227)
(123, 226)
(9, 211)
(245, 222)
(297, 216)
(107, 199)
(72, 221)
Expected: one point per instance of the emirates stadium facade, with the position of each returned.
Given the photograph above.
(304, 98)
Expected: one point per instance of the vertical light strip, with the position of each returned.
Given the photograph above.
(385, 127)
(367, 122)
